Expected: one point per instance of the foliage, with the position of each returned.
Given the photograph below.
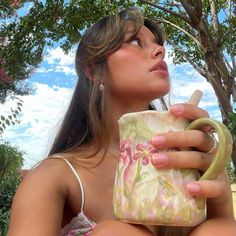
(12, 118)
(8, 82)
(231, 172)
(10, 164)
(232, 125)
(24, 39)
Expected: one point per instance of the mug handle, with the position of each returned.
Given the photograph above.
(224, 147)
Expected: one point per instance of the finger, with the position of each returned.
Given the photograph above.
(207, 188)
(188, 111)
(183, 139)
(182, 159)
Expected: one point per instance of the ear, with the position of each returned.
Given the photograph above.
(89, 71)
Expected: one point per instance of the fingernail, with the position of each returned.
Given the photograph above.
(177, 109)
(158, 140)
(159, 160)
(193, 188)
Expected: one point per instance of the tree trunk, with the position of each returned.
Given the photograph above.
(221, 90)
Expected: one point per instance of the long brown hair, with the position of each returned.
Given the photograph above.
(86, 120)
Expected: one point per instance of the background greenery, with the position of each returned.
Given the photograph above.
(10, 164)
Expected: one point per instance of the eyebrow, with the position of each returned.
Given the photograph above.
(130, 33)
(153, 40)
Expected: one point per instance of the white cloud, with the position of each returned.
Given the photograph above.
(57, 55)
(65, 69)
(41, 114)
(57, 61)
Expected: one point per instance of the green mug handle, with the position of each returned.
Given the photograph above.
(224, 147)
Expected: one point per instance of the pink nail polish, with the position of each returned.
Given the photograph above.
(177, 109)
(193, 188)
(158, 140)
(160, 160)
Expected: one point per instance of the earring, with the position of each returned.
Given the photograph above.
(101, 87)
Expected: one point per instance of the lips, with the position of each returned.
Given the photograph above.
(160, 68)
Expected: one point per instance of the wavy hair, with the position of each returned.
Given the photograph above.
(86, 120)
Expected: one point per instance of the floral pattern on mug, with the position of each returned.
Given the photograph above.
(125, 152)
(144, 152)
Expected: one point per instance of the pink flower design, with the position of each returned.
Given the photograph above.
(144, 152)
(126, 157)
(126, 152)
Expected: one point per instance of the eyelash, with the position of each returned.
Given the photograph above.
(139, 43)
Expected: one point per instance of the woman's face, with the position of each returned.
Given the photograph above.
(137, 69)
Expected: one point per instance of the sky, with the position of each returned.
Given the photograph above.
(53, 84)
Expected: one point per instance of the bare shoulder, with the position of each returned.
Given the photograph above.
(39, 201)
(49, 172)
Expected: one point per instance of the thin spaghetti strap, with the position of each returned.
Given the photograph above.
(78, 178)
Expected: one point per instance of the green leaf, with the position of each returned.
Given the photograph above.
(3, 118)
(8, 122)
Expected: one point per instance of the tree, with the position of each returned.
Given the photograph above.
(10, 163)
(201, 33)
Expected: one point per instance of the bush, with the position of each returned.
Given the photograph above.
(11, 161)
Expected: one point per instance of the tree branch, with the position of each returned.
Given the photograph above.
(231, 52)
(205, 36)
(187, 58)
(198, 8)
(181, 29)
(230, 68)
(215, 22)
(191, 11)
(187, 8)
(182, 17)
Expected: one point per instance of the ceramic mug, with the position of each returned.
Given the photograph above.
(144, 194)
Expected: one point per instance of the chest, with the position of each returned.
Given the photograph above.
(98, 191)
(99, 198)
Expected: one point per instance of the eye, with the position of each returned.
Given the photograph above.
(135, 41)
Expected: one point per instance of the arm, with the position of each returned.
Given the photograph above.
(37, 207)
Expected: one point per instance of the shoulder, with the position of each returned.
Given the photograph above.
(48, 175)
(40, 199)
(55, 171)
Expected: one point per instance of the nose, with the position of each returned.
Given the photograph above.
(158, 51)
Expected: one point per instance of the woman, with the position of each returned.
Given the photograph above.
(121, 68)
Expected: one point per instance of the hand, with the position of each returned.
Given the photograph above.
(218, 191)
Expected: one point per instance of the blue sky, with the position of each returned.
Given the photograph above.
(53, 84)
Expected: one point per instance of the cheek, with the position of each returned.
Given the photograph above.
(123, 60)
(120, 71)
